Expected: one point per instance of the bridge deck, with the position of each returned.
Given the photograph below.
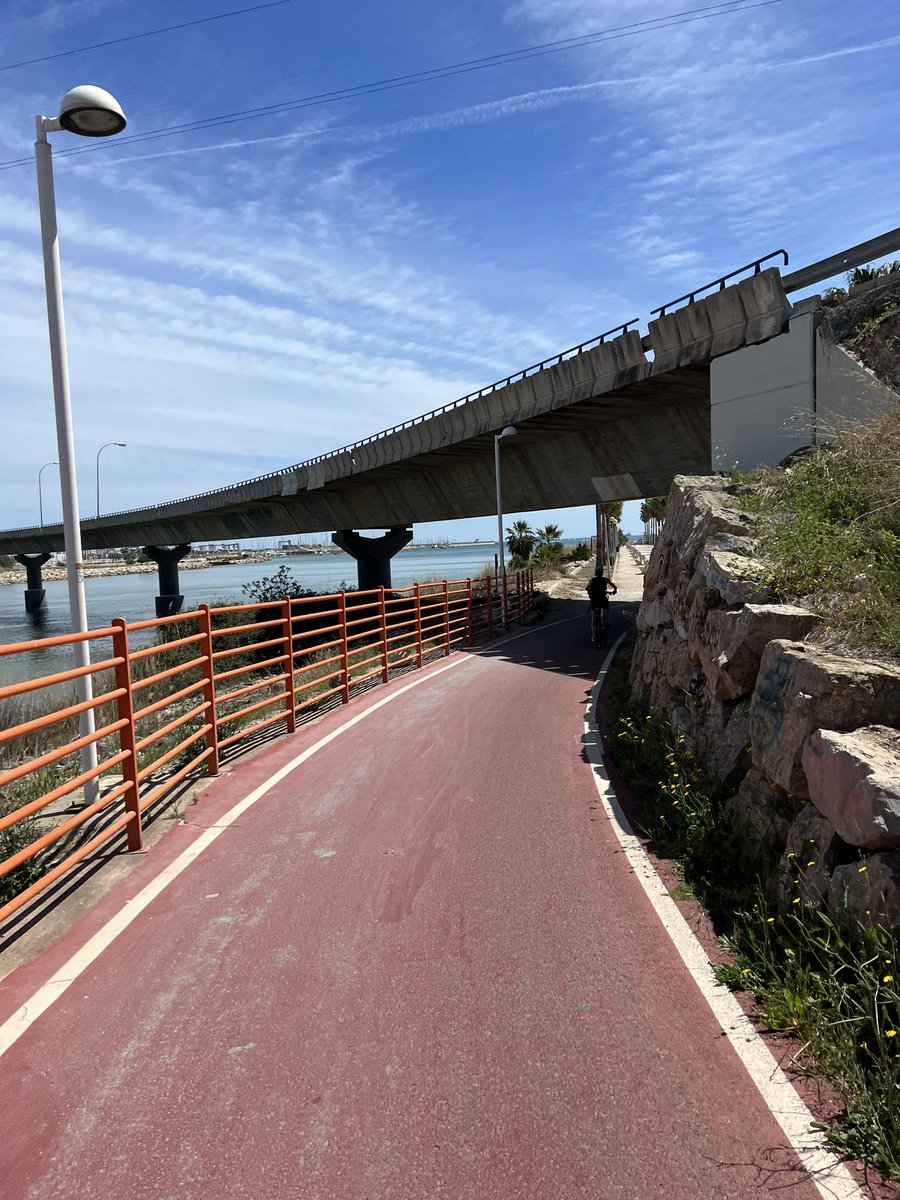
(417, 966)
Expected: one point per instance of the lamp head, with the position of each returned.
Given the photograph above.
(91, 112)
(123, 444)
(507, 431)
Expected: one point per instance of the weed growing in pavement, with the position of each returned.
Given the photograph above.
(820, 979)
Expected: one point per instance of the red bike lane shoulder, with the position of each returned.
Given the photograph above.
(419, 966)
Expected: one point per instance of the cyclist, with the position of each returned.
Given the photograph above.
(598, 590)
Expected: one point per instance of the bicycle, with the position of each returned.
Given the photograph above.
(599, 626)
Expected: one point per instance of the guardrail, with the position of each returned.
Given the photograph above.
(755, 266)
(209, 681)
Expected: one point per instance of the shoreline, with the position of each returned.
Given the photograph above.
(16, 575)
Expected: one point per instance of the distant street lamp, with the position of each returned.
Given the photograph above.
(508, 431)
(99, 452)
(89, 112)
(41, 490)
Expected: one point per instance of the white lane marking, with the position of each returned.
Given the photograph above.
(827, 1172)
(13, 1028)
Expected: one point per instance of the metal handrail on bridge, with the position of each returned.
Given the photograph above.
(208, 681)
(815, 273)
(755, 265)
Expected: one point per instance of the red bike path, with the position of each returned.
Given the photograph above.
(418, 966)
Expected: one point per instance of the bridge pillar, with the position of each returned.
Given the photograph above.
(373, 555)
(167, 558)
(35, 596)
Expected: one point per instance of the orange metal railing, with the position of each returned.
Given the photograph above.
(206, 681)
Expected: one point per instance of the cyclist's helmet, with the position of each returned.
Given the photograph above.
(598, 570)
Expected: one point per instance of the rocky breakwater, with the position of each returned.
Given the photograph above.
(804, 742)
(103, 570)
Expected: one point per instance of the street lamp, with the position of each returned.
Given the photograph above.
(41, 490)
(89, 112)
(508, 431)
(99, 452)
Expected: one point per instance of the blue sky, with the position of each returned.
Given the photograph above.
(244, 297)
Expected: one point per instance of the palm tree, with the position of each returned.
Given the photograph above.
(549, 544)
(834, 296)
(653, 514)
(521, 539)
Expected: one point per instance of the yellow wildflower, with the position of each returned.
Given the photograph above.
(890, 1033)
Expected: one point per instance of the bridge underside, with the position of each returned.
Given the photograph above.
(623, 444)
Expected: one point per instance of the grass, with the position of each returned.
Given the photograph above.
(830, 534)
(827, 983)
(834, 989)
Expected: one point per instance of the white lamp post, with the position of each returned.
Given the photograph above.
(99, 452)
(89, 112)
(41, 490)
(508, 431)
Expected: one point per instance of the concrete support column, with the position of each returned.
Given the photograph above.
(167, 558)
(373, 555)
(35, 596)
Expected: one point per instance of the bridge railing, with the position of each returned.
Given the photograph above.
(210, 683)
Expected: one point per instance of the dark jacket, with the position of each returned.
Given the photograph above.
(597, 591)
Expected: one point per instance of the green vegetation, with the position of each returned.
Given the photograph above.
(520, 540)
(834, 296)
(830, 533)
(830, 986)
(835, 991)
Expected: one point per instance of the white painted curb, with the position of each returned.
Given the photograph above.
(826, 1171)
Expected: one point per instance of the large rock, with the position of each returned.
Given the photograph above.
(868, 891)
(812, 851)
(854, 780)
(761, 816)
(736, 578)
(731, 641)
(655, 611)
(698, 509)
(800, 689)
(727, 739)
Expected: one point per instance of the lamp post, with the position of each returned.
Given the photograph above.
(507, 431)
(99, 452)
(41, 490)
(89, 112)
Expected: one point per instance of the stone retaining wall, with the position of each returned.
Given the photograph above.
(805, 742)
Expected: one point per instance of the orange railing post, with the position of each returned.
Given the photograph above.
(417, 598)
(127, 734)
(505, 603)
(344, 652)
(446, 618)
(288, 627)
(209, 691)
(382, 622)
(470, 632)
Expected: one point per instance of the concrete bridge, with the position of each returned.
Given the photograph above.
(614, 418)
